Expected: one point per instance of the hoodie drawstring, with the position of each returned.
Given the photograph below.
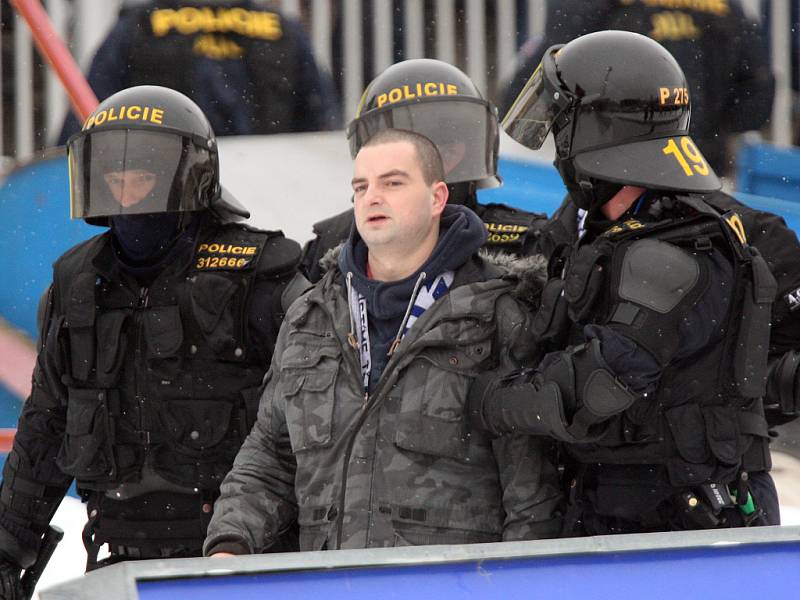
(351, 335)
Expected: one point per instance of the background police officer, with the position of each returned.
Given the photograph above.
(154, 338)
(250, 69)
(724, 54)
(438, 101)
(658, 391)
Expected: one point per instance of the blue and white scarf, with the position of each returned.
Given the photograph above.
(422, 298)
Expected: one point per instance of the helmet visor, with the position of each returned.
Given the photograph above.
(531, 117)
(464, 131)
(123, 171)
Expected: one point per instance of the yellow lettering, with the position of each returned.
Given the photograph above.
(189, 20)
(382, 100)
(145, 113)
(100, 118)
(161, 21)
(395, 95)
(407, 93)
(89, 123)
(134, 112)
(213, 248)
(236, 250)
(111, 115)
(157, 116)
(663, 94)
(738, 227)
(430, 89)
(452, 89)
(202, 247)
(249, 251)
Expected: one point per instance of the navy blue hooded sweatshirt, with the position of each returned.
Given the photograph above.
(461, 234)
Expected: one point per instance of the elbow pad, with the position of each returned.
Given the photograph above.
(781, 399)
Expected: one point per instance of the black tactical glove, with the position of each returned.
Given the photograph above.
(10, 585)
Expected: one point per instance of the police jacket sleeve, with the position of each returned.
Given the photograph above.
(573, 394)
(526, 464)
(33, 485)
(257, 502)
(277, 284)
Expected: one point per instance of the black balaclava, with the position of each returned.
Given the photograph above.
(145, 238)
(589, 194)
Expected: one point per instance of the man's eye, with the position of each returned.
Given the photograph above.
(394, 183)
(359, 189)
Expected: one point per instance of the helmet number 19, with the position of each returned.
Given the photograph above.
(686, 153)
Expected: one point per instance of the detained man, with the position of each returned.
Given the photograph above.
(362, 436)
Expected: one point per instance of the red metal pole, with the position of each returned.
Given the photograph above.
(58, 56)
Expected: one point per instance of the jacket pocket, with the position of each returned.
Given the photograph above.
(421, 526)
(315, 526)
(216, 311)
(308, 380)
(85, 452)
(110, 346)
(432, 417)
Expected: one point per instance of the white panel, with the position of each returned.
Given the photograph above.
(446, 30)
(382, 37)
(476, 43)
(321, 24)
(23, 88)
(353, 57)
(415, 28)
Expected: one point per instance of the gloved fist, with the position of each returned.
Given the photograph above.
(10, 584)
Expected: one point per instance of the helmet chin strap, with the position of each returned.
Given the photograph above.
(463, 193)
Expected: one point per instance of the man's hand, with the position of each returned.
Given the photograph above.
(10, 585)
(222, 555)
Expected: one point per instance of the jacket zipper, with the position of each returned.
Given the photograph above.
(142, 304)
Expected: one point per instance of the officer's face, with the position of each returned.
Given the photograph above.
(130, 187)
(394, 206)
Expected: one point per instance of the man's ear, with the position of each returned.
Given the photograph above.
(440, 195)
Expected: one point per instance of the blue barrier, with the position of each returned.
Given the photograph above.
(764, 170)
(658, 566)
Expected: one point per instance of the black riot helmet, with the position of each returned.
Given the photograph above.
(145, 150)
(618, 105)
(436, 100)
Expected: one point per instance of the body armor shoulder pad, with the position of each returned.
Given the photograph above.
(270, 253)
(677, 274)
(508, 214)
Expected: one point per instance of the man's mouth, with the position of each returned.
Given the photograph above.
(377, 218)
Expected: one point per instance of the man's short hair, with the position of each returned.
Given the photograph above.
(428, 157)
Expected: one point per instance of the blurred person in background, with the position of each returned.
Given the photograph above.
(250, 69)
(724, 54)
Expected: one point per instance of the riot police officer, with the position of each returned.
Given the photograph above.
(662, 304)
(438, 101)
(154, 338)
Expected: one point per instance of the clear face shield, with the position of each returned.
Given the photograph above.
(464, 131)
(133, 171)
(533, 113)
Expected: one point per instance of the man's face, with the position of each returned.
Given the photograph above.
(393, 205)
(130, 187)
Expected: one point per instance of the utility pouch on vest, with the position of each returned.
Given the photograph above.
(750, 355)
(551, 318)
(583, 282)
(81, 311)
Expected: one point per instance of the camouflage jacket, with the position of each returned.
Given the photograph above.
(400, 466)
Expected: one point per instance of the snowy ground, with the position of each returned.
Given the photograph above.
(69, 560)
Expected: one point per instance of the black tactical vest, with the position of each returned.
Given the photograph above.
(167, 371)
(509, 229)
(166, 43)
(705, 422)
